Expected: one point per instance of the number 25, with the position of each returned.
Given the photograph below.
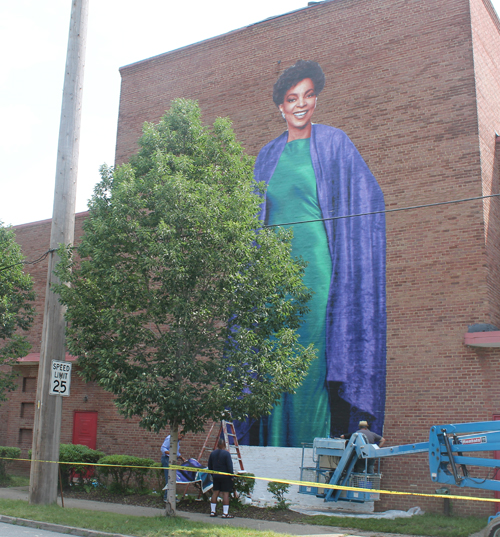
(59, 386)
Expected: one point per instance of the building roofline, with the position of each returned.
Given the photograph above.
(134, 64)
(34, 358)
(46, 221)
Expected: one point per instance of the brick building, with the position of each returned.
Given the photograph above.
(89, 416)
(416, 86)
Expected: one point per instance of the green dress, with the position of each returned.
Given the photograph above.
(291, 197)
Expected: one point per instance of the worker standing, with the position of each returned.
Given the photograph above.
(373, 438)
(220, 461)
(165, 458)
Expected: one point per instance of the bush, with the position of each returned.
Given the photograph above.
(8, 453)
(125, 473)
(242, 486)
(78, 454)
(279, 490)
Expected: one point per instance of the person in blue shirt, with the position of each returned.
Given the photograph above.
(165, 458)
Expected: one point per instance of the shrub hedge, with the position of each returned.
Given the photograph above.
(126, 473)
(7, 453)
(79, 454)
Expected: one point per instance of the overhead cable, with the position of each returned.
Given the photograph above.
(41, 258)
(384, 211)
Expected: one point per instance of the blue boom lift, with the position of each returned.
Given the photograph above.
(449, 449)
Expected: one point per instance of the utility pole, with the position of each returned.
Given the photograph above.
(48, 408)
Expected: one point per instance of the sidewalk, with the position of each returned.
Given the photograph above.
(305, 530)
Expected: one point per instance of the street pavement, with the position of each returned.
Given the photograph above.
(10, 530)
(21, 493)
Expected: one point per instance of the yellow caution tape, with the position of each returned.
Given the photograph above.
(285, 481)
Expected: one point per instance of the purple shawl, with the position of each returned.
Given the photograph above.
(356, 310)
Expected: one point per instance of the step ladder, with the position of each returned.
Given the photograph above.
(227, 429)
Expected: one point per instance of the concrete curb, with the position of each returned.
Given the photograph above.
(57, 527)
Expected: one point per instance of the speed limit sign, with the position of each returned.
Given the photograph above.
(60, 378)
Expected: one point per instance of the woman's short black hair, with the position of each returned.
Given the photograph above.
(294, 74)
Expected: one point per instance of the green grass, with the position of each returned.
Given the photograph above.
(127, 525)
(428, 524)
(18, 481)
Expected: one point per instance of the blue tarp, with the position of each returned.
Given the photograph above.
(193, 476)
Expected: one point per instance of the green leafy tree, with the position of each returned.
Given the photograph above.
(178, 306)
(16, 309)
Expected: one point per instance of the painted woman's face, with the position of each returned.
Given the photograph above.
(298, 108)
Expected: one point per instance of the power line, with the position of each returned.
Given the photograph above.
(384, 211)
(409, 208)
(41, 258)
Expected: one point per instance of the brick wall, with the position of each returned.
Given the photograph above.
(115, 434)
(486, 42)
(415, 84)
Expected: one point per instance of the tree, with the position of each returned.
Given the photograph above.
(16, 310)
(179, 307)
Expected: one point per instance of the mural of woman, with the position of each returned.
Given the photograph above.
(313, 173)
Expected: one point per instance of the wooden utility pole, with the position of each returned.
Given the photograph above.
(48, 408)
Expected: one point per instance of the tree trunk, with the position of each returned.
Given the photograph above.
(170, 506)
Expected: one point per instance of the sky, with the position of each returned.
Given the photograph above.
(33, 40)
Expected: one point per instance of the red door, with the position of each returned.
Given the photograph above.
(85, 429)
(497, 471)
